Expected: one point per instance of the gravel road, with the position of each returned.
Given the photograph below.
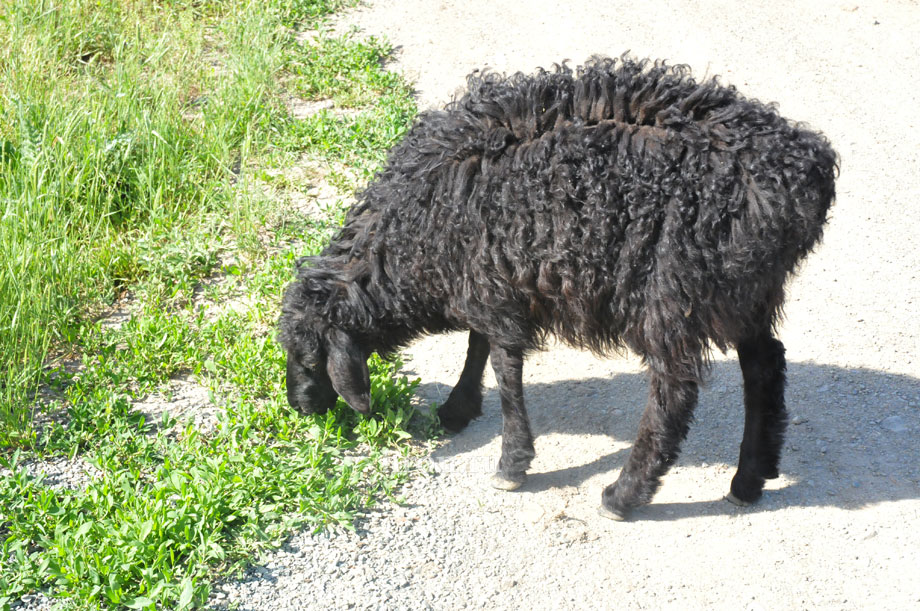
(840, 529)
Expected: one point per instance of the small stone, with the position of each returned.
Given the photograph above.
(532, 512)
(895, 424)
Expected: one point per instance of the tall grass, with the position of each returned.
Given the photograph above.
(133, 135)
(120, 124)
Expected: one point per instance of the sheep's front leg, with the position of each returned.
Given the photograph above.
(465, 400)
(663, 426)
(517, 440)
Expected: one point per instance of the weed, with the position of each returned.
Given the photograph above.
(130, 134)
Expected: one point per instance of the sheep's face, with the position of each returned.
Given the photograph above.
(309, 389)
(340, 369)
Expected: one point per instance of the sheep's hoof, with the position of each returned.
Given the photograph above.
(500, 482)
(453, 424)
(453, 419)
(606, 512)
(731, 498)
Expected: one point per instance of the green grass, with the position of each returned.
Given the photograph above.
(361, 137)
(100, 160)
(133, 140)
(122, 126)
(171, 512)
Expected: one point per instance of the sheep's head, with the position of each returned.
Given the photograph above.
(334, 365)
(323, 360)
(309, 389)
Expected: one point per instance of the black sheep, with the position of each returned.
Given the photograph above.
(622, 205)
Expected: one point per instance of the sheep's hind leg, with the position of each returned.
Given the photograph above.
(465, 400)
(663, 426)
(763, 366)
(517, 440)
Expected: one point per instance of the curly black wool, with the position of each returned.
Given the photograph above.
(618, 205)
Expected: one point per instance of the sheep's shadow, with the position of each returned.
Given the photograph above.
(852, 439)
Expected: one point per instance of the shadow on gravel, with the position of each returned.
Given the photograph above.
(852, 441)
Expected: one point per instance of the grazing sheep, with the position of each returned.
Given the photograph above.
(620, 205)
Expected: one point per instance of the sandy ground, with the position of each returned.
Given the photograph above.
(841, 528)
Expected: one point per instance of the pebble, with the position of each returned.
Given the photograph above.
(895, 424)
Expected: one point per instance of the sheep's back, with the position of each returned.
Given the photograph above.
(560, 203)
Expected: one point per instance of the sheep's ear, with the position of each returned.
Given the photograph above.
(347, 367)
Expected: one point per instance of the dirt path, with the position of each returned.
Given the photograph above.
(841, 528)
